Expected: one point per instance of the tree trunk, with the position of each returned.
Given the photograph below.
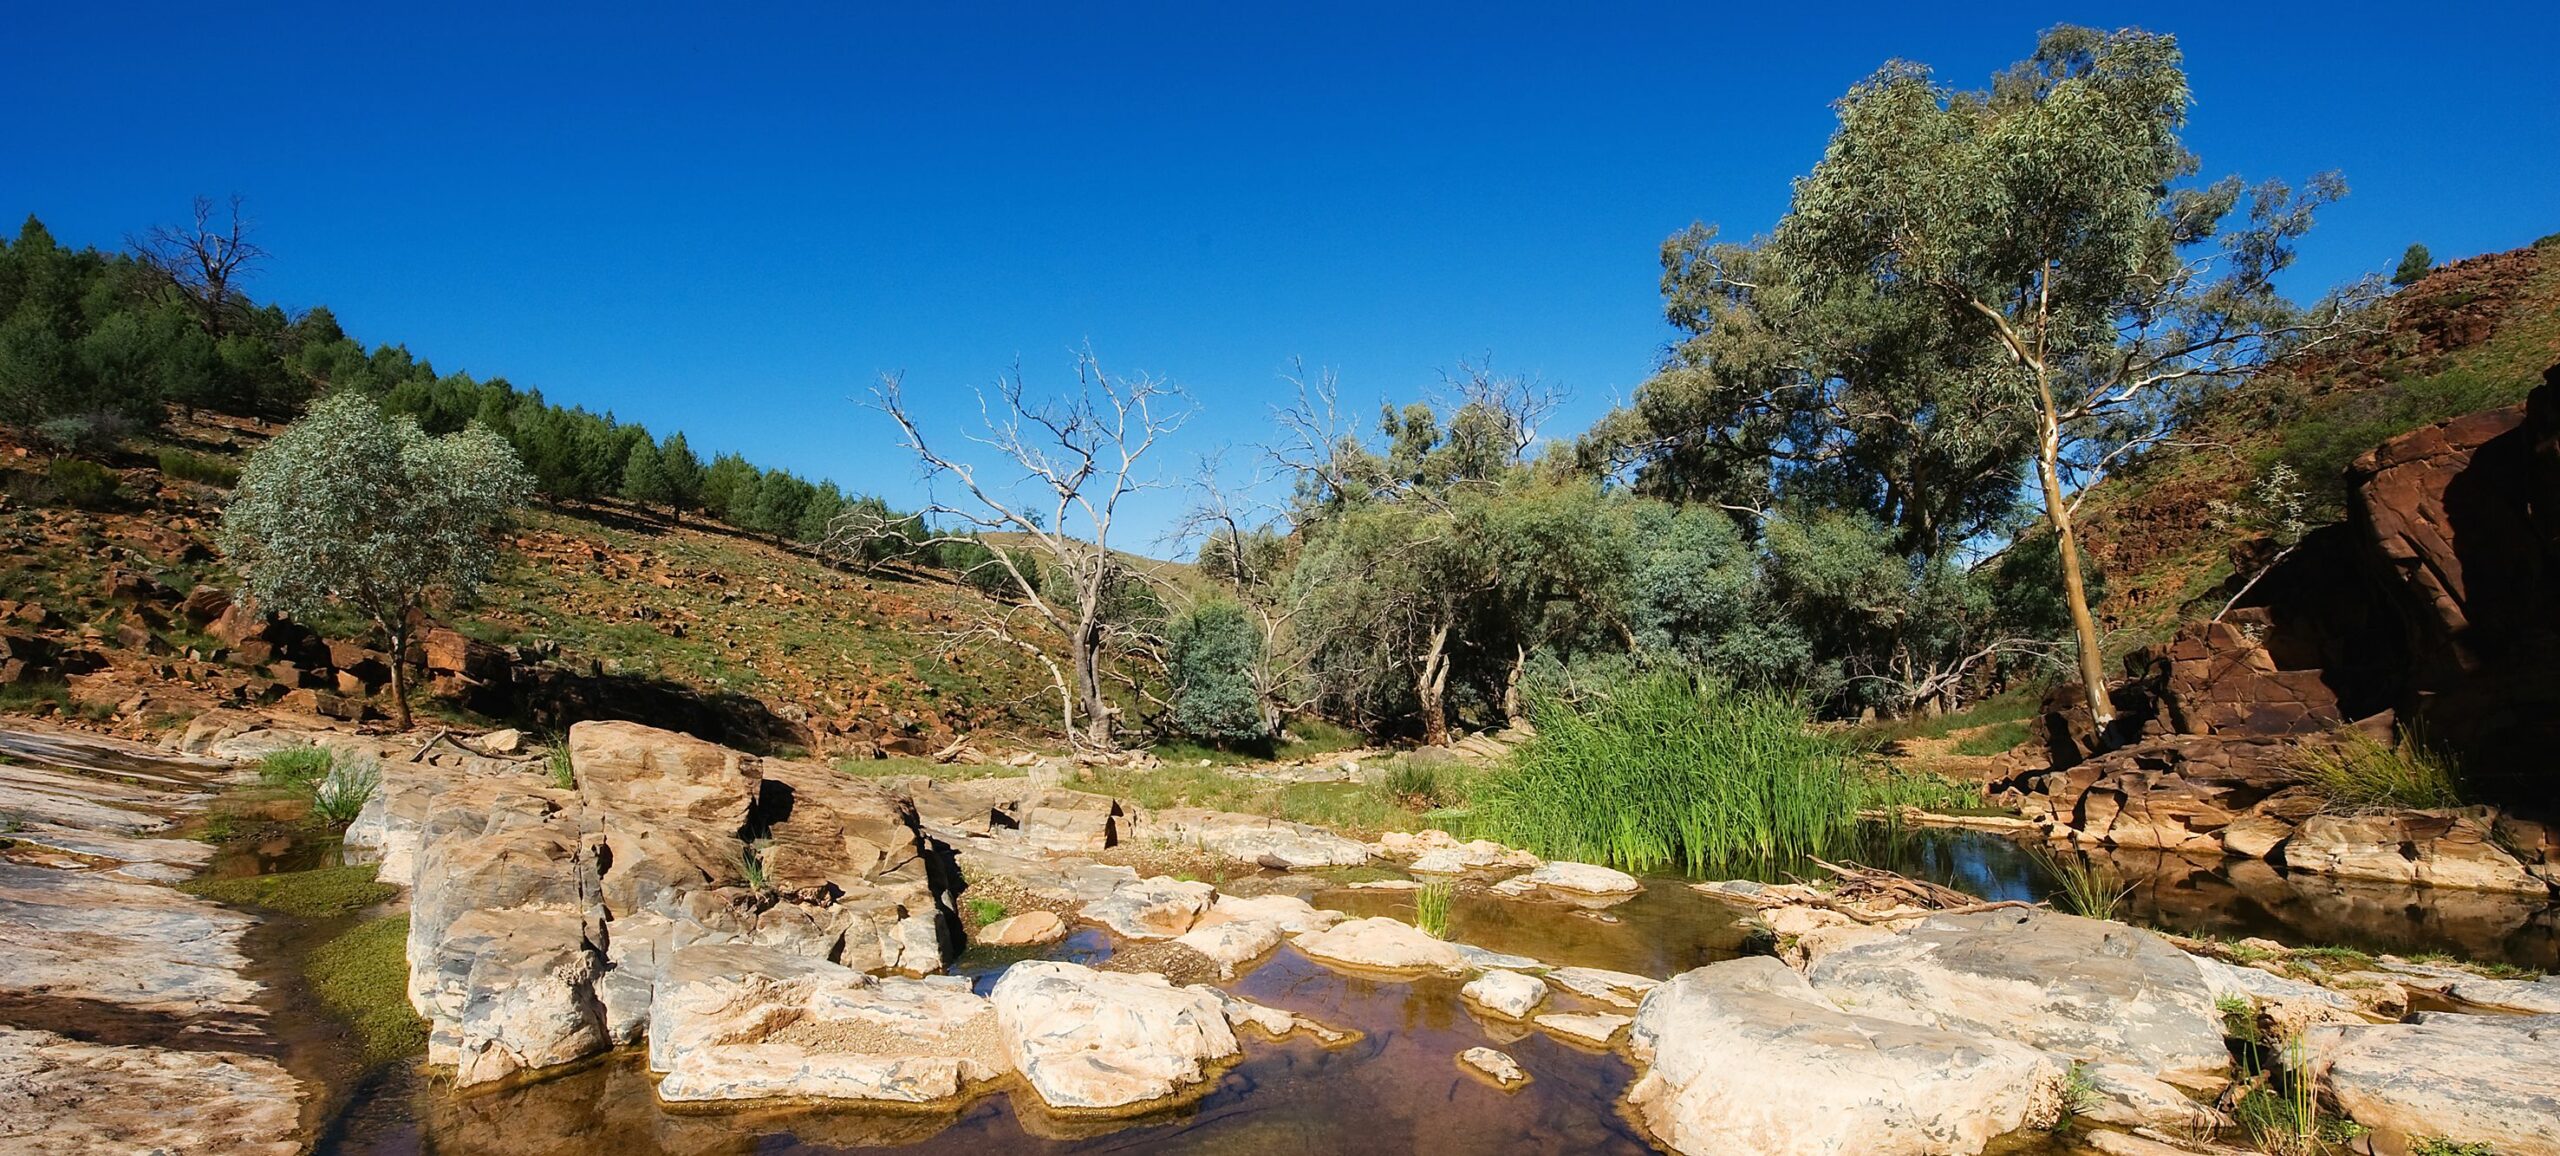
(2075, 592)
(1511, 685)
(400, 674)
(1431, 685)
(1086, 651)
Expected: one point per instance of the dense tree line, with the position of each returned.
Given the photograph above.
(95, 346)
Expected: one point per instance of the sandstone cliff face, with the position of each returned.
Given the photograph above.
(2460, 524)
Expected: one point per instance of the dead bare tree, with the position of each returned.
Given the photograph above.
(204, 260)
(1076, 457)
(1245, 547)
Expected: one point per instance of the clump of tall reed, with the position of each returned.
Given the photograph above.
(1431, 907)
(2088, 889)
(1648, 770)
(2361, 772)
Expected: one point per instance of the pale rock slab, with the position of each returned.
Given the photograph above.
(1506, 993)
(1381, 944)
(2463, 1078)
(1583, 878)
(1025, 930)
(1157, 908)
(1105, 1040)
(62, 1095)
(2083, 988)
(1498, 1067)
(1611, 987)
(1595, 1028)
(1744, 1056)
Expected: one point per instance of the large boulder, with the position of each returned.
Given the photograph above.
(736, 1022)
(2446, 848)
(513, 992)
(672, 809)
(1382, 944)
(1157, 908)
(1745, 1056)
(2485, 1080)
(2082, 988)
(1087, 1039)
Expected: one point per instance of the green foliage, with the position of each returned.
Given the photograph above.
(1668, 768)
(1210, 656)
(2319, 441)
(2361, 772)
(295, 766)
(564, 772)
(2439, 1146)
(1431, 906)
(81, 484)
(338, 798)
(35, 695)
(363, 976)
(984, 911)
(314, 894)
(2415, 264)
(1413, 783)
(195, 467)
(355, 507)
(2080, 1096)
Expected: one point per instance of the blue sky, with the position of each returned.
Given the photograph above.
(730, 223)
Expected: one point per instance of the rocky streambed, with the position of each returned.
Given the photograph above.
(681, 948)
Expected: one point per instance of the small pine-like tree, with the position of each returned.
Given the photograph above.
(684, 473)
(353, 506)
(2415, 264)
(644, 476)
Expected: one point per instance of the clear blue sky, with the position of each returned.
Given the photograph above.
(729, 224)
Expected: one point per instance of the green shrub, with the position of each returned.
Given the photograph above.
(81, 483)
(564, 773)
(340, 797)
(1412, 784)
(194, 467)
(295, 767)
(1647, 770)
(2362, 772)
(984, 911)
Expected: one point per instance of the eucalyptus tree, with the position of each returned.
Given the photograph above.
(355, 507)
(2049, 211)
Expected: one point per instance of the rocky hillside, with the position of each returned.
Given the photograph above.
(115, 612)
(2269, 459)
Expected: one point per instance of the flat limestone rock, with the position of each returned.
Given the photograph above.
(1106, 1040)
(2082, 988)
(1506, 993)
(1484, 960)
(1157, 908)
(78, 934)
(1025, 930)
(1381, 944)
(1594, 1028)
(62, 1095)
(1288, 912)
(1257, 839)
(2463, 1078)
(1498, 1067)
(1744, 1056)
(1585, 878)
(1233, 943)
(1271, 1021)
(1612, 987)
(742, 1023)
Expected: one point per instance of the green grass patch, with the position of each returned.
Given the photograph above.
(195, 467)
(1431, 907)
(983, 911)
(1668, 768)
(2363, 772)
(1997, 739)
(363, 976)
(2016, 706)
(313, 894)
(32, 696)
(296, 767)
(2088, 889)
